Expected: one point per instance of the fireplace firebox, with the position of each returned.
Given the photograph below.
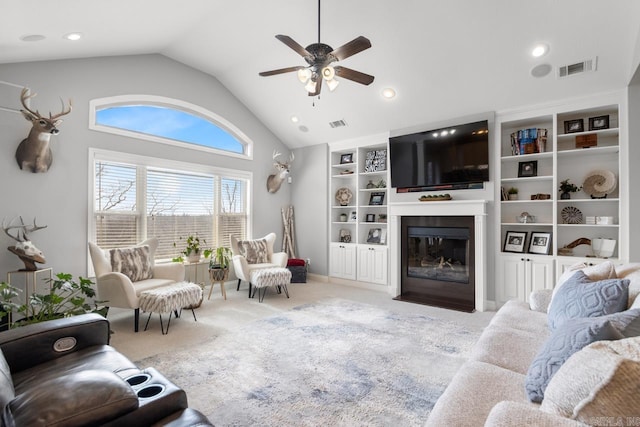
(437, 261)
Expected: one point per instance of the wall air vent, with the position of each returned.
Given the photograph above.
(578, 67)
(338, 124)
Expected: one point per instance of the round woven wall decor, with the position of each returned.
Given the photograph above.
(571, 215)
(599, 183)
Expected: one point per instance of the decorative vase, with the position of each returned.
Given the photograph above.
(370, 185)
(565, 196)
(343, 217)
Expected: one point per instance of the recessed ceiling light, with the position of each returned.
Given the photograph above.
(73, 36)
(32, 38)
(295, 119)
(388, 93)
(539, 50)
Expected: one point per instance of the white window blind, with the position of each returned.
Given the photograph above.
(134, 202)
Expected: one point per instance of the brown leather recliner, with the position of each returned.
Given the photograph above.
(64, 373)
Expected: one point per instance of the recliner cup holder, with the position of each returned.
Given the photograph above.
(138, 379)
(150, 391)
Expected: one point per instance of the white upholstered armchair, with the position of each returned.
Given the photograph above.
(122, 274)
(256, 254)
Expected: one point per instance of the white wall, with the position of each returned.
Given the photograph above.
(59, 198)
(309, 193)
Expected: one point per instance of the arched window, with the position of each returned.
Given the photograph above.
(168, 121)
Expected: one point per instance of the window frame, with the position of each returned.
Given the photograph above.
(100, 155)
(176, 104)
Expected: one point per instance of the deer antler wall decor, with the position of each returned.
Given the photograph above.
(34, 152)
(24, 248)
(275, 181)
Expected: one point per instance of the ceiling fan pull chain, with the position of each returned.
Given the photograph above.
(318, 21)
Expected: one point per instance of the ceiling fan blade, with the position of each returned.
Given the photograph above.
(293, 45)
(351, 48)
(280, 71)
(356, 76)
(318, 87)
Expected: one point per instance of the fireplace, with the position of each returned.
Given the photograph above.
(437, 261)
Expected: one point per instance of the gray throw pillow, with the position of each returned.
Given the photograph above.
(135, 263)
(571, 337)
(254, 251)
(580, 297)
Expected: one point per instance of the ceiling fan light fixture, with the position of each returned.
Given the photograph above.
(328, 73)
(310, 86)
(333, 83)
(304, 74)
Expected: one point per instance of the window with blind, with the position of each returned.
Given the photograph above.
(137, 201)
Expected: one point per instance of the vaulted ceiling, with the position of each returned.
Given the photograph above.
(444, 59)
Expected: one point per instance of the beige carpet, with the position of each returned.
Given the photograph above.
(330, 353)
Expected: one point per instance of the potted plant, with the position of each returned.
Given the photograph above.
(219, 263)
(513, 193)
(66, 297)
(192, 251)
(566, 188)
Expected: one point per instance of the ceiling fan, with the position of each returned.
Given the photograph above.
(319, 57)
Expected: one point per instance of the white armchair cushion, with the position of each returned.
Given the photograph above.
(132, 262)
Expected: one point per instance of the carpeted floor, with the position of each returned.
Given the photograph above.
(331, 362)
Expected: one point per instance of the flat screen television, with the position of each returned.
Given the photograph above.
(454, 157)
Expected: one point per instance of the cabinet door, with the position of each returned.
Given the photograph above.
(539, 275)
(343, 261)
(511, 279)
(372, 264)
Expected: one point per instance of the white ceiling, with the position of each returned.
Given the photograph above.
(445, 59)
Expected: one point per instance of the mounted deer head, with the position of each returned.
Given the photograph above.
(275, 181)
(34, 152)
(24, 248)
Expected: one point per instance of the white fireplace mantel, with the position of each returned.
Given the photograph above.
(475, 208)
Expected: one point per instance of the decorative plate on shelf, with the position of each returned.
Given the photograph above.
(571, 215)
(599, 183)
(343, 196)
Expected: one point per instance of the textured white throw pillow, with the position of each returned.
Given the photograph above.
(631, 271)
(601, 380)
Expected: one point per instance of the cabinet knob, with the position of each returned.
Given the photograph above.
(521, 259)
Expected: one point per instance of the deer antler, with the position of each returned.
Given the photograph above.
(291, 157)
(23, 99)
(63, 112)
(25, 229)
(276, 154)
(9, 227)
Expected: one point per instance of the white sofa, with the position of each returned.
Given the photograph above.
(489, 389)
(118, 290)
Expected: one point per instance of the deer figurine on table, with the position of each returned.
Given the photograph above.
(24, 248)
(275, 181)
(34, 152)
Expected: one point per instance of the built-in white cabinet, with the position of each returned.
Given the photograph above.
(372, 264)
(519, 275)
(342, 259)
(584, 143)
(358, 229)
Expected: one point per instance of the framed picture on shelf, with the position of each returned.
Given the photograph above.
(374, 235)
(573, 126)
(514, 241)
(346, 158)
(377, 198)
(345, 236)
(376, 161)
(540, 243)
(371, 218)
(599, 122)
(353, 216)
(527, 169)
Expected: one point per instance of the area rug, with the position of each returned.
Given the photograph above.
(335, 362)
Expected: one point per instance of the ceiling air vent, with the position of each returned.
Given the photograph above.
(338, 124)
(578, 67)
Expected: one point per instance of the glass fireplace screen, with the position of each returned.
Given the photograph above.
(438, 253)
